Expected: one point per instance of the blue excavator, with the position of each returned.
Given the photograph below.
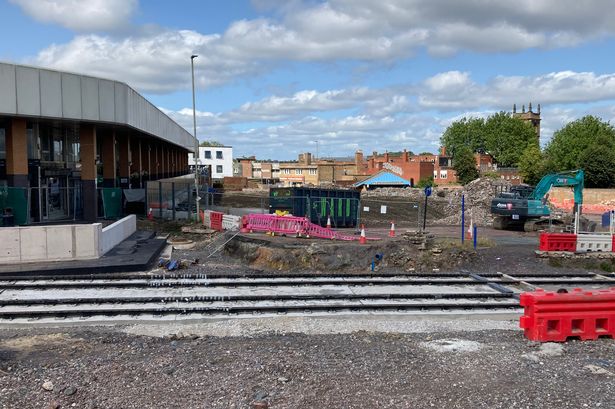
(527, 207)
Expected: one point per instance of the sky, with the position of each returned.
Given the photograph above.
(275, 78)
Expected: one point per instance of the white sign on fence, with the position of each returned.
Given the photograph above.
(383, 209)
(365, 208)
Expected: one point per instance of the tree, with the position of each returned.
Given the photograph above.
(598, 161)
(465, 165)
(467, 132)
(506, 138)
(532, 164)
(424, 182)
(210, 144)
(565, 148)
(502, 136)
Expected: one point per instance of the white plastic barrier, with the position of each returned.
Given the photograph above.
(50, 243)
(230, 222)
(207, 218)
(115, 233)
(594, 242)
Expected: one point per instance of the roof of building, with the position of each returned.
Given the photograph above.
(38, 92)
(383, 178)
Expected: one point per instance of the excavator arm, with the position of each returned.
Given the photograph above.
(574, 179)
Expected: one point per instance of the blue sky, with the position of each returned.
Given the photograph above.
(275, 76)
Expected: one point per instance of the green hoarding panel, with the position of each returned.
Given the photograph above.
(112, 202)
(16, 199)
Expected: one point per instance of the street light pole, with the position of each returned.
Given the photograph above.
(196, 141)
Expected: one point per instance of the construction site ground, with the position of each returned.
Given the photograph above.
(312, 361)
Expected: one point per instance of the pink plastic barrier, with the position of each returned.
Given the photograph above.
(299, 226)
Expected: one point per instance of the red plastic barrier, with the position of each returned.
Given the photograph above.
(553, 317)
(558, 242)
(216, 220)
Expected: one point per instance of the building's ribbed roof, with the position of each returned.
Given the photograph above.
(39, 92)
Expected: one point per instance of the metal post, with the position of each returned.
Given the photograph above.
(196, 141)
(425, 213)
(160, 199)
(173, 198)
(463, 216)
(474, 230)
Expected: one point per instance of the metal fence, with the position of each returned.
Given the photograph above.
(178, 203)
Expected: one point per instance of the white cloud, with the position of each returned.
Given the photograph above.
(387, 118)
(81, 15)
(455, 90)
(337, 30)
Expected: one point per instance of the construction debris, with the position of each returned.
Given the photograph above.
(478, 195)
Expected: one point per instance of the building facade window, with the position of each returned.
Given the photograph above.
(218, 154)
(314, 171)
(298, 171)
(435, 174)
(207, 154)
(219, 169)
(443, 174)
(287, 171)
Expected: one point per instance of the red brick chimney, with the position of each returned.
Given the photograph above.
(405, 158)
(358, 160)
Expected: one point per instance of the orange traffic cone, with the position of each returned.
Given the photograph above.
(150, 214)
(362, 239)
(469, 231)
(392, 231)
(328, 222)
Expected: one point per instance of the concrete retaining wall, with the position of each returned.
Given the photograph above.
(50, 243)
(115, 233)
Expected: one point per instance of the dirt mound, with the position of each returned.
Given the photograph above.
(407, 253)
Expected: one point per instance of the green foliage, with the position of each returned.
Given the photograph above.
(569, 142)
(490, 174)
(425, 153)
(467, 132)
(465, 165)
(501, 135)
(586, 143)
(210, 144)
(507, 137)
(598, 161)
(532, 165)
(423, 183)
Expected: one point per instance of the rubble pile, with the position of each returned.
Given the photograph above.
(478, 195)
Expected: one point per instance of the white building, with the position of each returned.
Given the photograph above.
(220, 158)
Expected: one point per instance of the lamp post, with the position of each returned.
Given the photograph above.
(196, 141)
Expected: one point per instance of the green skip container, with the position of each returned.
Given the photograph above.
(318, 204)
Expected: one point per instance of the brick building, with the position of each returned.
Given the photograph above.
(410, 167)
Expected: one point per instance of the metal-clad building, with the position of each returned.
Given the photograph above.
(67, 135)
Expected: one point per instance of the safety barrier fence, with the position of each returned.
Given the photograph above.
(555, 317)
(290, 225)
(579, 243)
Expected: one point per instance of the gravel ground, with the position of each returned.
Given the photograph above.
(310, 362)
(441, 368)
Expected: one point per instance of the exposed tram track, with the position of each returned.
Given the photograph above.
(139, 296)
